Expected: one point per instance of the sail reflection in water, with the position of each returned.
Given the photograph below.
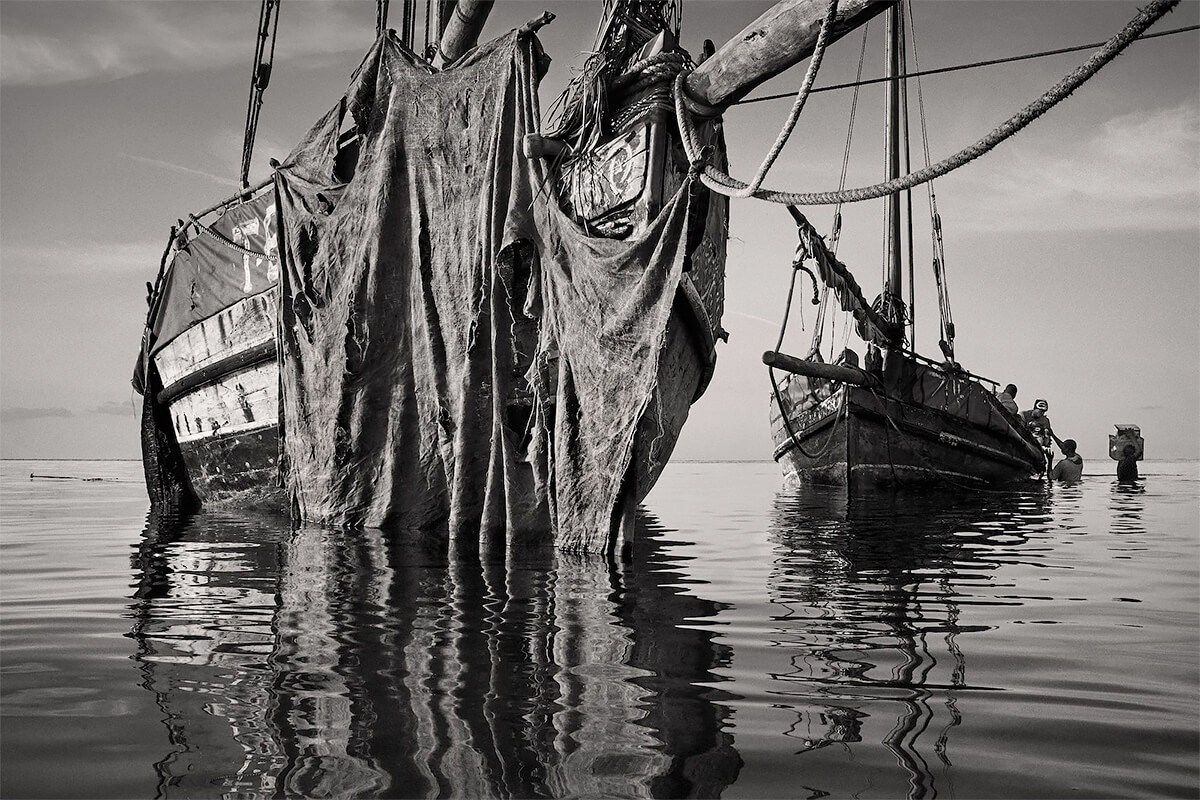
(869, 591)
(323, 663)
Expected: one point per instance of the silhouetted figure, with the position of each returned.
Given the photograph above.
(874, 360)
(1127, 471)
(1008, 399)
(848, 358)
(1070, 468)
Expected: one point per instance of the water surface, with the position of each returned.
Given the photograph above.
(761, 643)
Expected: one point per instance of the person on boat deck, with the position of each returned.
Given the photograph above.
(1070, 468)
(1008, 399)
(1127, 471)
(874, 360)
(1038, 423)
(848, 358)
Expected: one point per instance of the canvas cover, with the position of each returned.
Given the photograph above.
(407, 294)
(206, 274)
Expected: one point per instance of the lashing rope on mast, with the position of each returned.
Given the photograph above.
(722, 183)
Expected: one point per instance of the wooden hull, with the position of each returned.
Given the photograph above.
(221, 376)
(228, 424)
(858, 436)
(221, 389)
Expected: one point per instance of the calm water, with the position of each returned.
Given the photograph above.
(762, 644)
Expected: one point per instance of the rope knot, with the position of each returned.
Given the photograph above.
(696, 168)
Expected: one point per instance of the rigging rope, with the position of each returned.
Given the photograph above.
(722, 183)
(946, 319)
(220, 237)
(785, 132)
(268, 25)
(960, 67)
(381, 16)
(835, 236)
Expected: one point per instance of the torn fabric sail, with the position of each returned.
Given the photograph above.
(454, 350)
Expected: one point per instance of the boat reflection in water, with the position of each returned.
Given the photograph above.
(318, 663)
(870, 589)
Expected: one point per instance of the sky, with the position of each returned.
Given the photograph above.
(1072, 250)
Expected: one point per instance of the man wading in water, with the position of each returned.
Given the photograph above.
(1070, 468)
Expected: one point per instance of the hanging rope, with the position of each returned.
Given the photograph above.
(268, 24)
(785, 132)
(381, 16)
(946, 343)
(960, 67)
(722, 183)
(835, 236)
(220, 237)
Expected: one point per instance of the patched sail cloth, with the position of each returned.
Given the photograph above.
(455, 352)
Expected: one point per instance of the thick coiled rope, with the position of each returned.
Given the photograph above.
(722, 183)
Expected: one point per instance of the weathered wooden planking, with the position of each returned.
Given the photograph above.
(243, 325)
(610, 176)
(242, 466)
(240, 401)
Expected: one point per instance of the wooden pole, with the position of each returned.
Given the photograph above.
(893, 286)
(815, 369)
(783, 36)
(463, 29)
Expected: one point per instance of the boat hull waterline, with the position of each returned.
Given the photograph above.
(861, 436)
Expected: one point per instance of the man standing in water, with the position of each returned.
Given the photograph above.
(1127, 471)
(1070, 468)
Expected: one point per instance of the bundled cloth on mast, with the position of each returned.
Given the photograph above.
(405, 295)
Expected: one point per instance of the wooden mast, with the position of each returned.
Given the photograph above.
(461, 31)
(893, 283)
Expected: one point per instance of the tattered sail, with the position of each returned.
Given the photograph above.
(455, 350)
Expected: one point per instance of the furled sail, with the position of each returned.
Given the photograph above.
(872, 326)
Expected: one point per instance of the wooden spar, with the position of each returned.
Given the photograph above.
(462, 30)
(895, 274)
(815, 369)
(782, 37)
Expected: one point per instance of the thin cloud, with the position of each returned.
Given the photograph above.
(772, 323)
(14, 414)
(78, 258)
(42, 46)
(167, 165)
(114, 408)
(1136, 171)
